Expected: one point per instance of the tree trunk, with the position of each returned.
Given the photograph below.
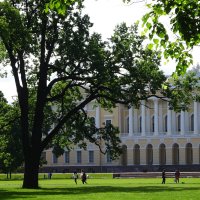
(31, 172)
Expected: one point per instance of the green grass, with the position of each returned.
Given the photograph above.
(104, 189)
(16, 176)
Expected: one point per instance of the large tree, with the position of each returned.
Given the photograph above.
(59, 67)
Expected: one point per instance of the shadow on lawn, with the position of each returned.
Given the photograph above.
(29, 194)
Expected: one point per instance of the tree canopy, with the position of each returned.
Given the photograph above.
(184, 18)
(59, 67)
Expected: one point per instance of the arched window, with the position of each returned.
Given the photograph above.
(192, 122)
(136, 154)
(124, 156)
(149, 154)
(189, 154)
(162, 154)
(165, 124)
(175, 154)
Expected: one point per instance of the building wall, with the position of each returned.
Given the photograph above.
(145, 132)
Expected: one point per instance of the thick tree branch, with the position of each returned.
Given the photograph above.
(41, 92)
(63, 120)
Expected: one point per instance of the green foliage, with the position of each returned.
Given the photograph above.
(184, 21)
(61, 6)
(183, 90)
(11, 156)
(184, 18)
(12, 27)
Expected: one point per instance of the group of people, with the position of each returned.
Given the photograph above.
(176, 179)
(83, 177)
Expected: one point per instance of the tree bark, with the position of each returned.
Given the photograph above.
(31, 172)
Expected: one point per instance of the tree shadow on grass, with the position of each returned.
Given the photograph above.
(30, 194)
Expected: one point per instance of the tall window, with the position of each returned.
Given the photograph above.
(175, 154)
(124, 155)
(108, 122)
(192, 122)
(149, 154)
(136, 155)
(91, 156)
(140, 124)
(165, 124)
(189, 154)
(127, 124)
(108, 157)
(152, 124)
(55, 159)
(179, 123)
(79, 157)
(162, 154)
(93, 120)
(67, 157)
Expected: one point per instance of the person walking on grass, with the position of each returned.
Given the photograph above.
(75, 176)
(177, 176)
(163, 176)
(83, 177)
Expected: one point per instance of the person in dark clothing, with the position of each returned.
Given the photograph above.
(49, 175)
(163, 177)
(83, 177)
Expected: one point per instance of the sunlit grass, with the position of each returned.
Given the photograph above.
(104, 189)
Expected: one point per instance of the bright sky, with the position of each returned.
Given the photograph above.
(105, 14)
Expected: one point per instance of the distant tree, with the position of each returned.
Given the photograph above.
(11, 156)
(59, 68)
(195, 69)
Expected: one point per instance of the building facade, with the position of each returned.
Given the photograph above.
(153, 137)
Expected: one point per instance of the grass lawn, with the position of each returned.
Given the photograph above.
(104, 189)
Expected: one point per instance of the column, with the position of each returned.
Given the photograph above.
(196, 131)
(130, 113)
(143, 118)
(169, 121)
(182, 122)
(97, 117)
(156, 116)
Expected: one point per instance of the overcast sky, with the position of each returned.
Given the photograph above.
(105, 15)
